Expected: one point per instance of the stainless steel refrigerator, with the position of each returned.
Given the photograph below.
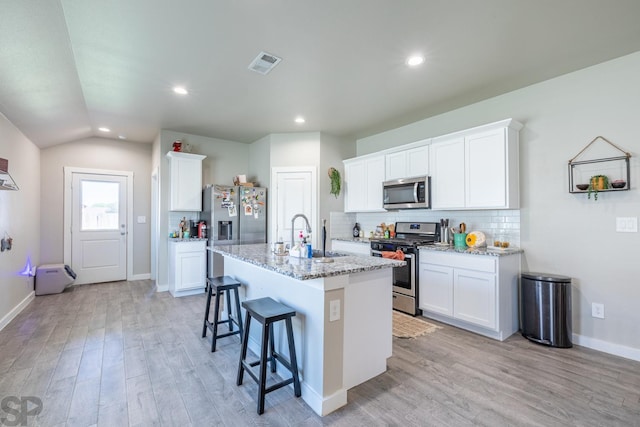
(235, 215)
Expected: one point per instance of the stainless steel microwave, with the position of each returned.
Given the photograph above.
(407, 193)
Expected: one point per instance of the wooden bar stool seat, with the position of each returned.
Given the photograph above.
(219, 286)
(267, 312)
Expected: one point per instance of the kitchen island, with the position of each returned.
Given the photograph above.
(342, 329)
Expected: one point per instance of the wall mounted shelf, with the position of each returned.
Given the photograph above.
(6, 182)
(616, 168)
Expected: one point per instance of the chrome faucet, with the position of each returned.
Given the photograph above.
(293, 220)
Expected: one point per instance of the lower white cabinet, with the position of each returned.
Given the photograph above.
(187, 267)
(475, 292)
(351, 247)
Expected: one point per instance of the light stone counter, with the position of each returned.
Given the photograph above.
(304, 268)
(473, 251)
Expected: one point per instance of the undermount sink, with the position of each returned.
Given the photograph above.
(318, 254)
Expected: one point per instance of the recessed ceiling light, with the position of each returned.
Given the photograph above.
(415, 60)
(104, 129)
(300, 119)
(122, 137)
(180, 90)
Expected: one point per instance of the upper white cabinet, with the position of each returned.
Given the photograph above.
(447, 173)
(476, 168)
(363, 178)
(185, 181)
(407, 163)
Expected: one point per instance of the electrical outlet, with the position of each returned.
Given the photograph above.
(597, 310)
(627, 224)
(334, 310)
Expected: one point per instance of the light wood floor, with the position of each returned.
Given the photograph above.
(120, 354)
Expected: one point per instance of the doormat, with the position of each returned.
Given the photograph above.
(405, 326)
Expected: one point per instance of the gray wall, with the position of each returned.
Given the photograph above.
(19, 218)
(565, 233)
(95, 153)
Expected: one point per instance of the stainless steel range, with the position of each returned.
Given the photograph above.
(409, 235)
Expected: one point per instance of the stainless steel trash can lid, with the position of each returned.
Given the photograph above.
(545, 277)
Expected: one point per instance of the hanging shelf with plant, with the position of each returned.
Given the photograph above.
(617, 165)
(336, 182)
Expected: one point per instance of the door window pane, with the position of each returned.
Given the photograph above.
(100, 205)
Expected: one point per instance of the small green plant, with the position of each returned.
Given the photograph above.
(334, 176)
(596, 183)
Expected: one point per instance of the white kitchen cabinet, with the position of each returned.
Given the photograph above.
(477, 168)
(363, 178)
(185, 181)
(475, 297)
(187, 267)
(474, 292)
(359, 247)
(407, 163)
(447, 174)
(436, 288)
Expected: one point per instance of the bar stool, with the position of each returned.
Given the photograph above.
(222, 285)
(268, 311)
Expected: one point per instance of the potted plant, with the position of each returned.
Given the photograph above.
(334, 176)
(597, 183)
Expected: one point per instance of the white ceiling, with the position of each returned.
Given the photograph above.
(68, 67)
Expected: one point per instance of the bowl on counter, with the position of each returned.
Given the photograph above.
(582, 186)
(618, 183)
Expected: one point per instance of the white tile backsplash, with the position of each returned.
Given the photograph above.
(504, 224)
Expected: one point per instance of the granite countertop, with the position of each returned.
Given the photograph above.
(304, 268)
(473, 251)
(190, 239)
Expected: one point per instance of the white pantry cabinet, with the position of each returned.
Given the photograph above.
(363, 178)
(474, 292)
(476, 168)
(187, 267)
(408, 163)
(185, 181)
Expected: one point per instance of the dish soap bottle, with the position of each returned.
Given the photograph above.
(356, 230)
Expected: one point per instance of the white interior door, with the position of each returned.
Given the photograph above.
(294, 192)
(99, 227)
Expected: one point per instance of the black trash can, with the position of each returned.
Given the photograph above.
(545, 309)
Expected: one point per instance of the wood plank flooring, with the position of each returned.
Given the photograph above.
(120, 354)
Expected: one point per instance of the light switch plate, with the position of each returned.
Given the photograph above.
(142, 219)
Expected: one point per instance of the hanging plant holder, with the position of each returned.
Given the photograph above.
(599, 182)
(334, 176)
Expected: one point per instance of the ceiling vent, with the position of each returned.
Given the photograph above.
(264, 62)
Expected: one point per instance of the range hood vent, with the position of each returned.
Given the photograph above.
(264, 62)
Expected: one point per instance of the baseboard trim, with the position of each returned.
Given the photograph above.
(146, 276)
(607, 347)
(16, 310)
(162, 288)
